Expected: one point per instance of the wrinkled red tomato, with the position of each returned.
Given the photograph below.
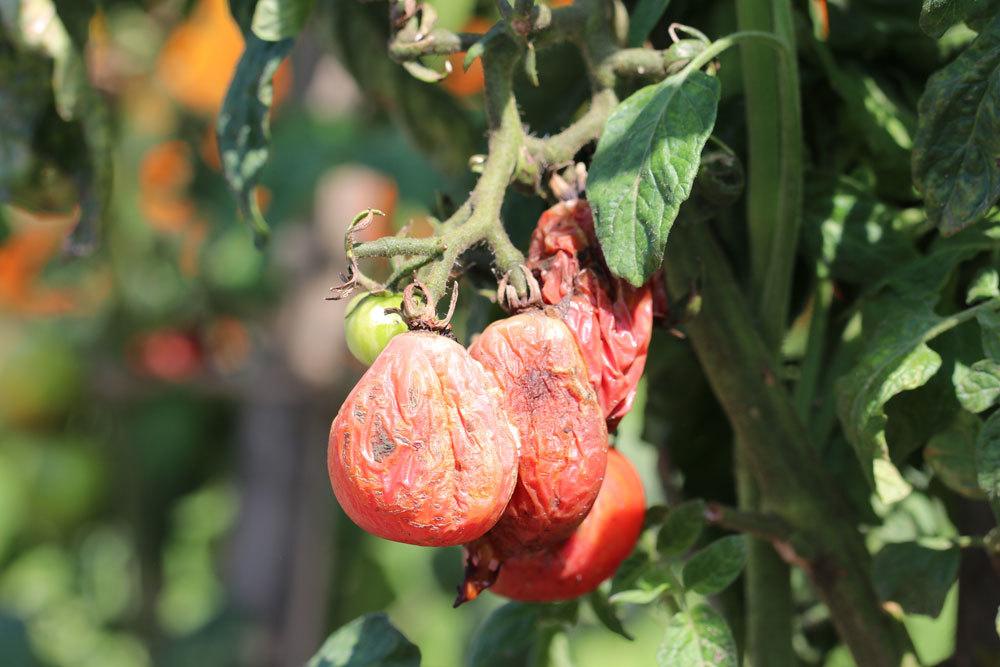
(421, 451)
(611, 319)
(549, 399)
(594, 551)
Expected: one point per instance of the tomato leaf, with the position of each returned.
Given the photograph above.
(978, 386)
(521, 634)
(275, 20)
(915, 576)
(989, 327)
(936, 16)
(606, 613)
(681, 528)
(244, 128)
(698, 637)
(859, 238)
(895, 359)
(369, 641)
(958, 138)
(988, 460)
(951, 454)
(644, 168)
(645, 16)
(985, 285)
(712, 569)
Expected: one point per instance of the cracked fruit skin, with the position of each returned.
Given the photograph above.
(368, 328)
(611, 319)
(564, 441)
(594, 551)
(421, 451)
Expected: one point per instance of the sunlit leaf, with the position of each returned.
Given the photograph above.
(644, 168)
(986, 285)
(978, 386)
(368, 641)
(712, 569)
(698, 637)
(895, 359)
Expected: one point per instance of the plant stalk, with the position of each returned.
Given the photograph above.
(741, 368)
(774, 174)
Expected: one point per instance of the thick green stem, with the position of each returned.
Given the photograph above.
(742, 371)
(774, 176)
(506, 141)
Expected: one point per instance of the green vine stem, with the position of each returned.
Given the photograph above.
(742, 371)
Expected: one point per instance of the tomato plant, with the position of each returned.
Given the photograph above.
(682, 323)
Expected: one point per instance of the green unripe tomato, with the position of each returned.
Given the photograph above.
(368, 327)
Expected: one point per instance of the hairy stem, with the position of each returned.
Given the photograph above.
(741, 369)
(506, 140)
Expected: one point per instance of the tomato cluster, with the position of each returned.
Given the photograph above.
(504, 447)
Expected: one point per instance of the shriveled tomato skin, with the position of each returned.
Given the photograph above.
(564, 442)
(592, 553)
(611, 319)
(421, 451)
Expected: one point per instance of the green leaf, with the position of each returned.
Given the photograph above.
(716, 566)
(859, 238)
(988, 461)
(951, 454)
(936, 16)
(895, 359)
(958, 138)
(978, 386)
(681, 529)
(647, 585)
(885, 124)
(997, 621)
(915, 576)
(644, 168)
(986, 285)
(244, 128)
(989, 328)
(698, 637)
(606, 613)
(368, 641)
(934, 638)
(521, 634)
(275, 20)
(645, 15)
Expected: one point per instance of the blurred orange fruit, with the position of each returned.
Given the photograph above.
(35, 239)
(164, 175)
(166, 354)
(463, 83)
(200, 55)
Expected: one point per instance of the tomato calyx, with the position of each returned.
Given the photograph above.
(482, 567)
(420, 315)
(510, 300)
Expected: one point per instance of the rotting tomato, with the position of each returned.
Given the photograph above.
(590, 555)
(368, 328)
(611, 319)
(421, 451)
(564, 441)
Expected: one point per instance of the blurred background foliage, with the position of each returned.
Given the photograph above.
(165, 397)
